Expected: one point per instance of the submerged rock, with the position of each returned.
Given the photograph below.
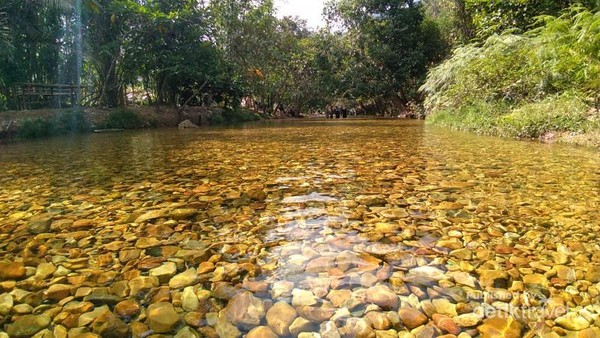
(162, 317)
(28, 325)
(186, 124)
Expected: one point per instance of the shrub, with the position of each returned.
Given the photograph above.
(71, 122)
(67, 122)
(521, 85)
(36, 128)
(231, 116)
(559, 113)
(122, 119)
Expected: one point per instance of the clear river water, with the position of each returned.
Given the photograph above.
(354, 228)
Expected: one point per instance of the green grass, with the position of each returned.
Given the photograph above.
(566, 113)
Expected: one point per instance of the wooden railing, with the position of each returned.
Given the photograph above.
(35, 95)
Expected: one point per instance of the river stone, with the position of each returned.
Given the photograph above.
(411, 317)
(28, 325)
(393, 214)
(329, 330)
(39, 224)
(261, 332)
(464, 254)
(356, 327)
(338, 297)
(301, 324)
(109, 326)
(463, 278)
(320, 264)
(424, 275)
(535, 279)
(504, 326)
(371, 200)
(127, 309)
(565, 273)
(467, 320)
(6, 303)
(162, 317)
(492, 278)
(45, 270)
(181, 214)
(189, 300)
(446, 324)
(309, 335)
(382, 296)
(45, 333)
(154, 214)
(444, 307)
(378, 320)
(57, 292)
(572, 321)
(303, 298)
(22, 309)
(164, 272)
(225, 329)
(245, 310)
(76, 307)
(386, 228)
(224, 291)
(89, 317)
(12, 271)
(186, 278)
(316, 314)
(186, 332)
(101, 296)
(593, 273)
(280, 317)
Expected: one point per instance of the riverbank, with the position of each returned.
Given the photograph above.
(550, 121)
(22, 125)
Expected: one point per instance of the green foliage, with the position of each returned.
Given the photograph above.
(71, 122)
(122, 119)
(491, 17)
(66, 122)
(522, 85)
(555, 113)
(230, 116)
(386, 47)
(35, 128)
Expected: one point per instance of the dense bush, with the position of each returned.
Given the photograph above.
(231, 116)
(122, 119)
(66, 122)
(521, 85)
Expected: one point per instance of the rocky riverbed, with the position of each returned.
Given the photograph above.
(272, 232)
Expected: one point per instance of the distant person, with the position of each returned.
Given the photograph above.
(345, 113)
(337, 112)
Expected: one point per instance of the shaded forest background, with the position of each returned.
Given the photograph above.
(373, 56)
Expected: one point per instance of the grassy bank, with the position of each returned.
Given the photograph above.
(543, 84)
(23, 125)
(555, 119)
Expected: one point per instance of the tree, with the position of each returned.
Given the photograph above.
(493, 17)
(392, 47)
